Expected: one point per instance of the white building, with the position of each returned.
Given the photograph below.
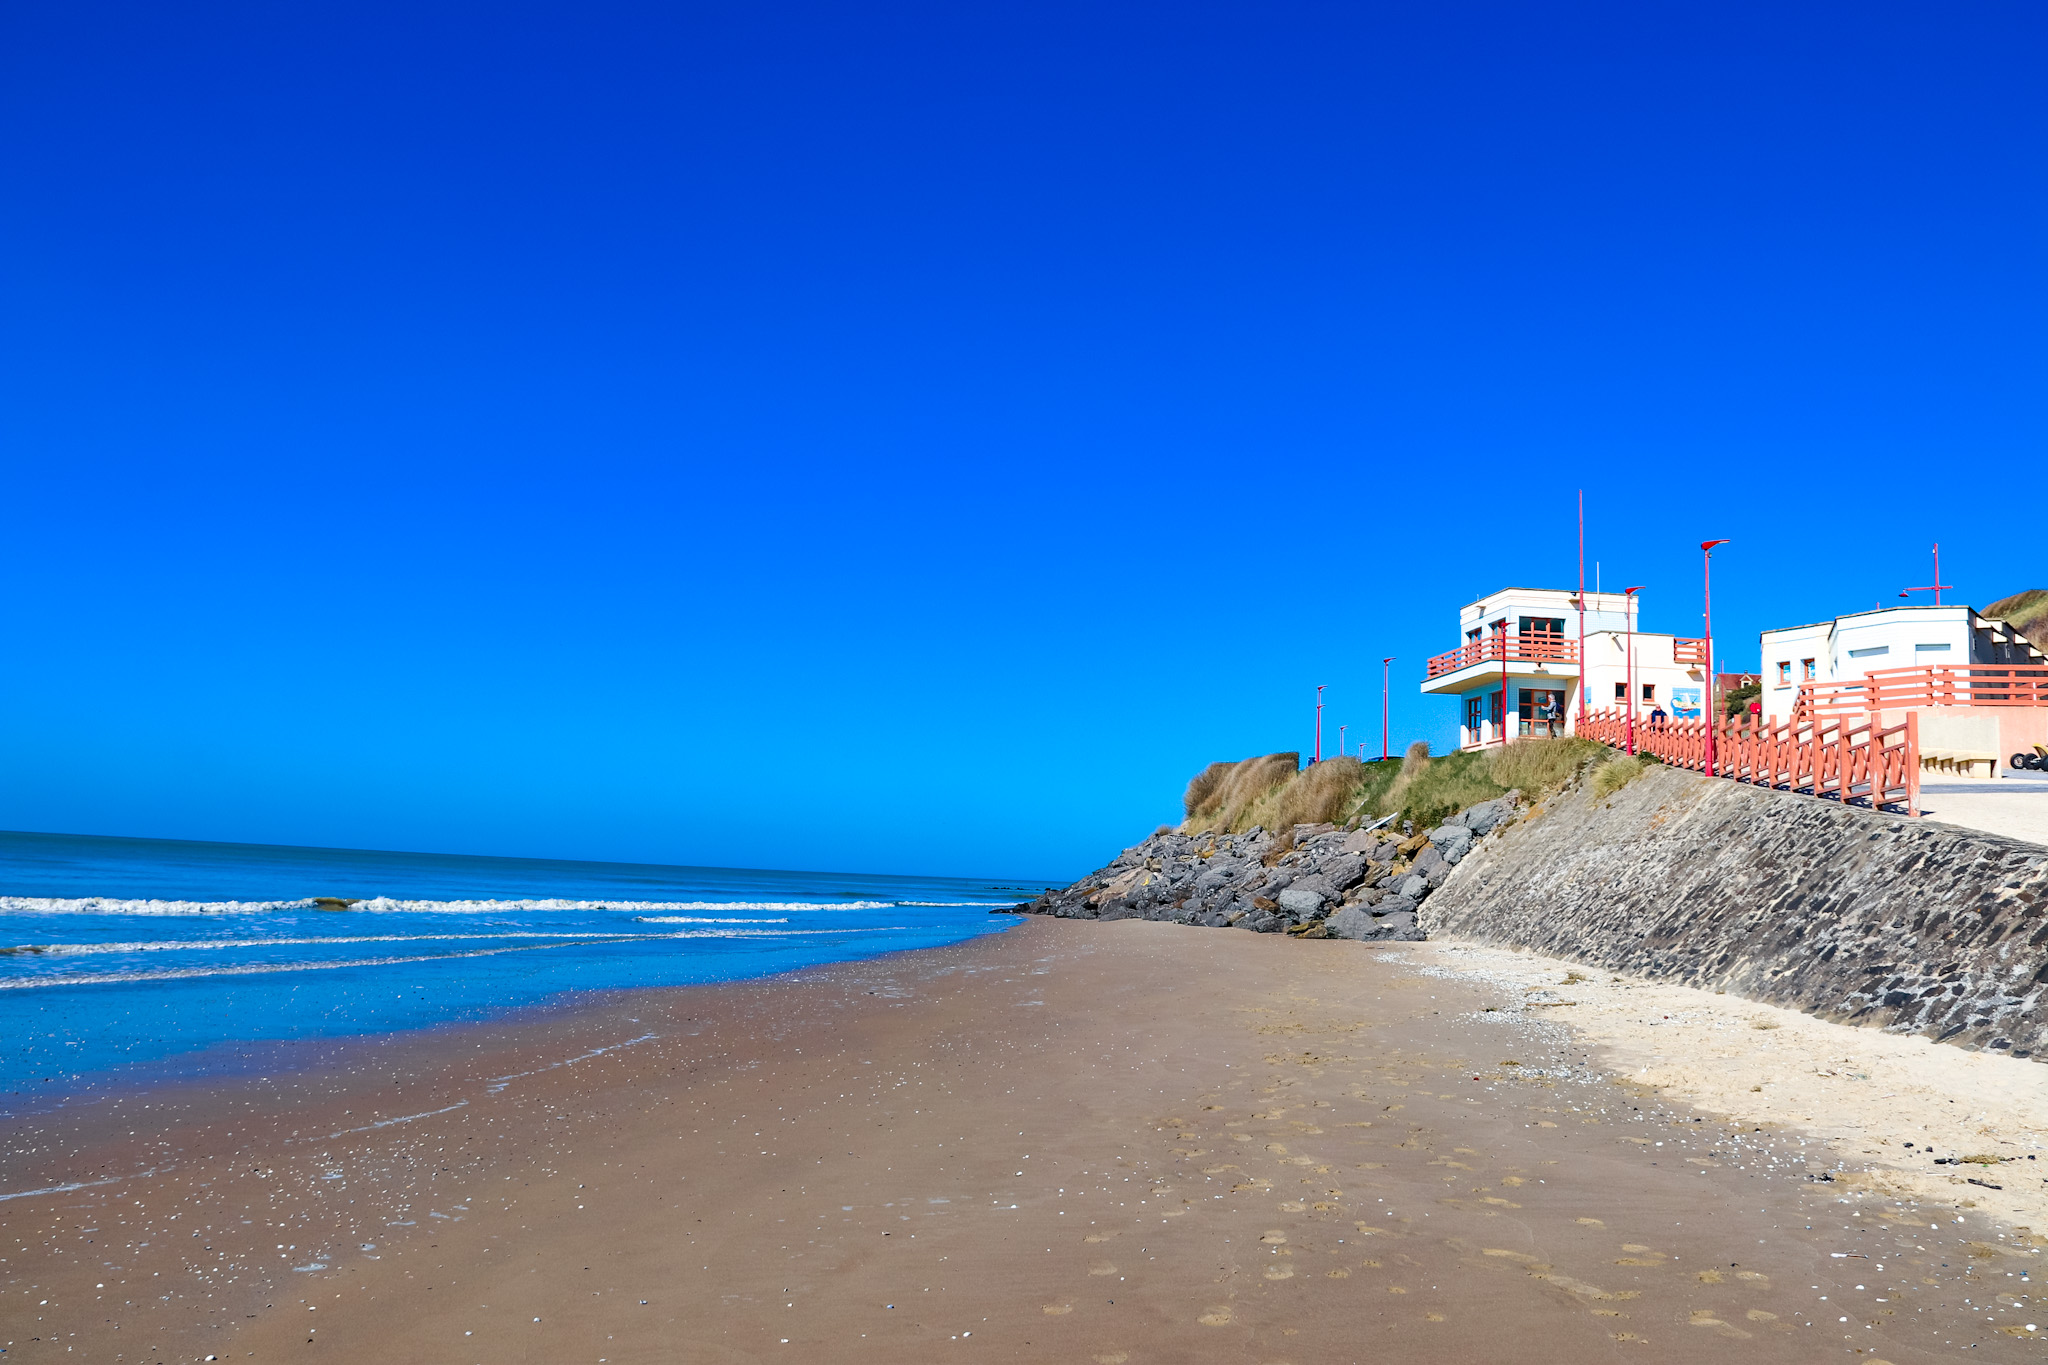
(1850, 647)
(1520, 656)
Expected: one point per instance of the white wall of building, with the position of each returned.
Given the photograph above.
(1849, 647)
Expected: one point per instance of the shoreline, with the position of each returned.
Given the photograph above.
(1070, 1140)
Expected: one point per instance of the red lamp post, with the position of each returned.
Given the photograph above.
(1580, 603)
(1629, 658)
(1340, 739)
(1383, 704)
(1707, 712)
(1319, 724)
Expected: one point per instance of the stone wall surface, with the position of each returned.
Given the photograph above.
(1849, 914)
(1312, 881)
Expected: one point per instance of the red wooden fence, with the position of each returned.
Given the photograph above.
(1830, 756)
(1896, 688)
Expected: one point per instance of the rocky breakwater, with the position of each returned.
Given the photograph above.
(1312, 881)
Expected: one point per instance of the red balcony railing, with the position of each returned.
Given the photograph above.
(1515, 649)
(1688, 651)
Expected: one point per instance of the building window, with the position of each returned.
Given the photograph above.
(1930, 649)
(1472, 718)
(1621, 691)
(1649, 691)
(1542, 625)
(1870, 653)
(1785, 671)
(1495, 703)
(1472, 636)
(1531, 707)
(1806, 670)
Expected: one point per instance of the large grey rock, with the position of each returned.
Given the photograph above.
(1414, 887)
(1451, 841)
(1487, 814)
(1428, 864)
(1262, 922)
(1343, 871)
(1395, 905)
(1364, 927)
(1360, 841)
(1301, 901)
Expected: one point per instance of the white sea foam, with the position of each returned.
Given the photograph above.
(261, 968)
(169, 945)
(102, 905)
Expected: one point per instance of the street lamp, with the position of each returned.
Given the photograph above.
(1707, 712)
(1629, 658)
(1383, 704)
(1319, 724)
(1340, 739)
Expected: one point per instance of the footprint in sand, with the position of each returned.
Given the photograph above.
(1099, 1236)
(1273, 1238)
(1432, 1317)
(1218, 1316)
(1589, 1222)
(1112, 1358)
(1056, 1309)
(1759, 1315)
(1709, 1277)
(1338, 1274)
(1279, 1272)
(1704, 1318)
(1102, 1268)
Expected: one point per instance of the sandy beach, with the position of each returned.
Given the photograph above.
(1119, 1142)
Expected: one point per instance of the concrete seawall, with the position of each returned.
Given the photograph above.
(1848, 914)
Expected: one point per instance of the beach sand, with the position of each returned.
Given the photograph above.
(1121, 1142)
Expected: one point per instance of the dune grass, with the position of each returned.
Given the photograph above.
(1274, 792)
(2026, 612)
(1615, 774)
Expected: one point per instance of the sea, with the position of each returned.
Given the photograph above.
(130, 962)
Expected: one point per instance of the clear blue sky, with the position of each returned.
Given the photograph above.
(914, 436)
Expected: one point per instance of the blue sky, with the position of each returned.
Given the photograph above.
(915, 437)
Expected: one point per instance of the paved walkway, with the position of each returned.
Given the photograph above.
(2015, 805)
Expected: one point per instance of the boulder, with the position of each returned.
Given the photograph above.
(1363, 927)
(1488, 815)
(1300, 900)
(1429, 864)
(1414, 887)
(1452, 841)
(1395, 905)
(1262, 922)
(1343, 871)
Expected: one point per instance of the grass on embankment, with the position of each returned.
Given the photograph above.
(1274, 792)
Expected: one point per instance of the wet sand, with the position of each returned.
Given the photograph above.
(1121, 1142)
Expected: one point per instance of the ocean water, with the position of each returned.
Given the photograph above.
(130, 961)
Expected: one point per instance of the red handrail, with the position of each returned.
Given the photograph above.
(1823, 757)
(1534, 647)
(1688, 651)
(1940, 685)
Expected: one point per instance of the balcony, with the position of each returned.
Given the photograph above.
(1689, 652)
(1534, 648)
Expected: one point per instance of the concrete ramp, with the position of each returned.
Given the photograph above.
(1849, 914)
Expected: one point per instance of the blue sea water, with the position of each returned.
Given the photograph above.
(129, 960)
